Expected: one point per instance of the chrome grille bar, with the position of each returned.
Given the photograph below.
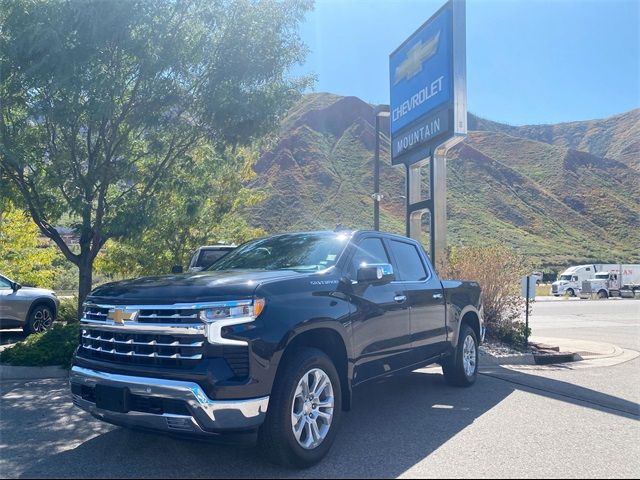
(157, 328)
(152, 343)
(176, 356)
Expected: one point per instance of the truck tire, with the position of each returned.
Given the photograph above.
(304, 410)
(603, 294)
(461, 369)
(40, 319)
(571, 292)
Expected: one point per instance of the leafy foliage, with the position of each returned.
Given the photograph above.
(101, 102)
(23, 256)
(53, 347)
(201, 205)
(498, 270)
(68, 311)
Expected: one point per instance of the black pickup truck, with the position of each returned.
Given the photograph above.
(272, 339)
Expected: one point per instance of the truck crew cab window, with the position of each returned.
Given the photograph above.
(370, 250)
(410, 266)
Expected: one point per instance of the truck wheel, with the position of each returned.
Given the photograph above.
(571, 292)
(461, 369)
(40, 319)
(304, 410)
(603, 294)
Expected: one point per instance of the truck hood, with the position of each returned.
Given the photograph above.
(185, 288)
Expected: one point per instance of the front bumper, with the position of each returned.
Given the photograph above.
(167, 405)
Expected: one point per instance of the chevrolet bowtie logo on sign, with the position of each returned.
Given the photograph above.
(119, 315)
(419, 53)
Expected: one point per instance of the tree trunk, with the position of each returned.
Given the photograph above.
(85, 271)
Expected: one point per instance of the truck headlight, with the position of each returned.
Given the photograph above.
(227, 314)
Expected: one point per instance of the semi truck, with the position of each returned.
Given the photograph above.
(617, 281)
(570, 281)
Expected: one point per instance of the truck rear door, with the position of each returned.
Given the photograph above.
(425, 298)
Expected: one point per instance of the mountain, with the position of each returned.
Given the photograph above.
(617, 137)
(560, 193)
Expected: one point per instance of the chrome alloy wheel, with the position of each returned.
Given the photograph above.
(469, 357)
(42, 320)
(312, 409)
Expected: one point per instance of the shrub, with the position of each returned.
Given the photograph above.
(498, 270)
(53, 347)
(68, 310)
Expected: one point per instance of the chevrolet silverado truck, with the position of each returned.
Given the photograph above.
(272, 339)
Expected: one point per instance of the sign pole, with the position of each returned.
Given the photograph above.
(526, 316)
(376, 179)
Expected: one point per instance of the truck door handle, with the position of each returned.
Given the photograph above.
(437, 295)
(400, 298)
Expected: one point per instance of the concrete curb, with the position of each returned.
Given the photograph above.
(578, 352)
(486, 359)
(11, 372)
(556, 350)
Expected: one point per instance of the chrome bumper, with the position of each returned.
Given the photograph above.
(206, 416)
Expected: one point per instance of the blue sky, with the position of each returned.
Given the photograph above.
(528, 61)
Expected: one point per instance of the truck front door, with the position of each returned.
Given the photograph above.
(381, 323)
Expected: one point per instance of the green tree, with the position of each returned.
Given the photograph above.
(24, 257)
(101, 101)
(203, 204)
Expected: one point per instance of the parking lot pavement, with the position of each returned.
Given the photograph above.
(411, 426)
(536, 422)
(614, 320)
(10, 337)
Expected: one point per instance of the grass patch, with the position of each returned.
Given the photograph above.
(54, 347)
(543, 290)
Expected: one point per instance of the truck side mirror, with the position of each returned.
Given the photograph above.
(375, 273)
(177, 269)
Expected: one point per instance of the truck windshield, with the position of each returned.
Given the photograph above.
(297, 251)
(565, 277)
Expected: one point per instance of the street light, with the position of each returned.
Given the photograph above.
(381, 111)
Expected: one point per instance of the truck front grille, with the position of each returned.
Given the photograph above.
(140, 348)
(93, 312)
(171, 316)
(169, 336)
(168, 316)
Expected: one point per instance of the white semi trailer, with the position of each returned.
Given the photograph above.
(616, 281)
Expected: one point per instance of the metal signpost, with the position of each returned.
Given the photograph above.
(429, 114)
(528, 285)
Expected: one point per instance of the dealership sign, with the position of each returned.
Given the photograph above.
(428, 87)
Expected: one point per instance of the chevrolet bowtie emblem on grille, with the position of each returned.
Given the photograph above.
(118, 315)
(416, 56)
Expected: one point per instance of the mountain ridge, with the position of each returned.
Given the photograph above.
(524, 186)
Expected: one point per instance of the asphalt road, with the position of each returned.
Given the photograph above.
(535, 422)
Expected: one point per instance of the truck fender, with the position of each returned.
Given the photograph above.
(329, 336)
(475, 319)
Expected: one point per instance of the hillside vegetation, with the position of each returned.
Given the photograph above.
(558, 193)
